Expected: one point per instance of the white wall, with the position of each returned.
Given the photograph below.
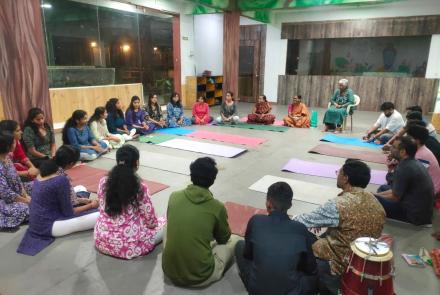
(433, 68)
(208, 43)
(187, 58)
(275, 57)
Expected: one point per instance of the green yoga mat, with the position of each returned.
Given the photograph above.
(257, 127)
(156, 138)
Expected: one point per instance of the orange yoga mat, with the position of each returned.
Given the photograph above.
(239, 216)
(90, 176)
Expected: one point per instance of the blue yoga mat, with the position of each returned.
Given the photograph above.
(175, 131)
(350, 141)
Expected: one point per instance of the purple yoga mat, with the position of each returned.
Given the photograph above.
(327, 170)
(368, 156)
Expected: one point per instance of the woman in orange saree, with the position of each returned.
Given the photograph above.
(298, 115)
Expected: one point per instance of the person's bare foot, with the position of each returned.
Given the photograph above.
(338, 130)
(326, 129)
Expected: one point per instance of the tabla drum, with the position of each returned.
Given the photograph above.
(370, 270)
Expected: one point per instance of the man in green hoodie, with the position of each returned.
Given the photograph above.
(198, 246)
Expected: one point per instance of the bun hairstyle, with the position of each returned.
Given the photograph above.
(65, 155)
(123, 184)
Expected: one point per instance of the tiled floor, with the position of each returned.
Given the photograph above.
(72, 266)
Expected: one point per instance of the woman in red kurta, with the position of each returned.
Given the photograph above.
(298, 115)
(22, 164)
(261, 113)
(200, 112)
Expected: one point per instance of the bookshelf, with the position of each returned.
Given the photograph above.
(212, 88)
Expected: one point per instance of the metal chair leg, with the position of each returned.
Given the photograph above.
(351, 123)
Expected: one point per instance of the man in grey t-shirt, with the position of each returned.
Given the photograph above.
(411, 196)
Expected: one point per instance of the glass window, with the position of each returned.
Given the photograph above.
(381, 56)
(88, 43)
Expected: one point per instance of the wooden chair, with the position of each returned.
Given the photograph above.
(350, 111)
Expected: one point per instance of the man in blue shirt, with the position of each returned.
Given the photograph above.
(276, 256)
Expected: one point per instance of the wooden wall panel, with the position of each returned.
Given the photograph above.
(374, 27)
(23, 70)
(177, 66)
(373, 91)
(66, 100)
(189, 92)
(231, 42)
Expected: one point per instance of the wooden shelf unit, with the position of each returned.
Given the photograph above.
(212, 88)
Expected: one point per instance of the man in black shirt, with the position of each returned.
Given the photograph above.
(276, 256)
(411, 197)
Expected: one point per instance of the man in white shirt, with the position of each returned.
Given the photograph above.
(389, 122)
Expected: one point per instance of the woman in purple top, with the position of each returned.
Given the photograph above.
(135, 117)
(14, 198)
(51, 212)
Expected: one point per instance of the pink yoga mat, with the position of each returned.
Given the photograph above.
(90, 176)
(276, 123)
(326, 170)
(229, 138)
(368, 156)
(239, 215)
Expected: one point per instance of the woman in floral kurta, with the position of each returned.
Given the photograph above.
(336, 113)
(261, 113)
(135, 230)
(175, 116)
(14, 194)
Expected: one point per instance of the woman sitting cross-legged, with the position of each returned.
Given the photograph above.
(78, 134)
(23, 165)
(297, 115)
(14, 194)
(154, 113)
(228, 110)
(38, 137)
(200, 112)
(175, 116)
(261, 113)
(51, 212)
(127, 226)
(116, 121)
(98, 125)
(135, 117)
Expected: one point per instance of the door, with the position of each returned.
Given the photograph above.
(251, 62)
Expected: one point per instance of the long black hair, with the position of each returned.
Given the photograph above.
(99, 111)
(111, 108)
(6, 142)
(32, 113)
(150, 103)
(123, 185)
(178, 103)
(71, 122)
(65, 155)
(131, 107)
(9, 126)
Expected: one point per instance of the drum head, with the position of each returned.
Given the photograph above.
(371, 249)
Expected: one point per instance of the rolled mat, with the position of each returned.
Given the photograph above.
(156, 138)
(302, 190)
(239, 215)
(329, 150)
(203, 147)
(349, 141)
(175, 131)
(90, 176)
(326, 170)
(256, 127)
(228, 138)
